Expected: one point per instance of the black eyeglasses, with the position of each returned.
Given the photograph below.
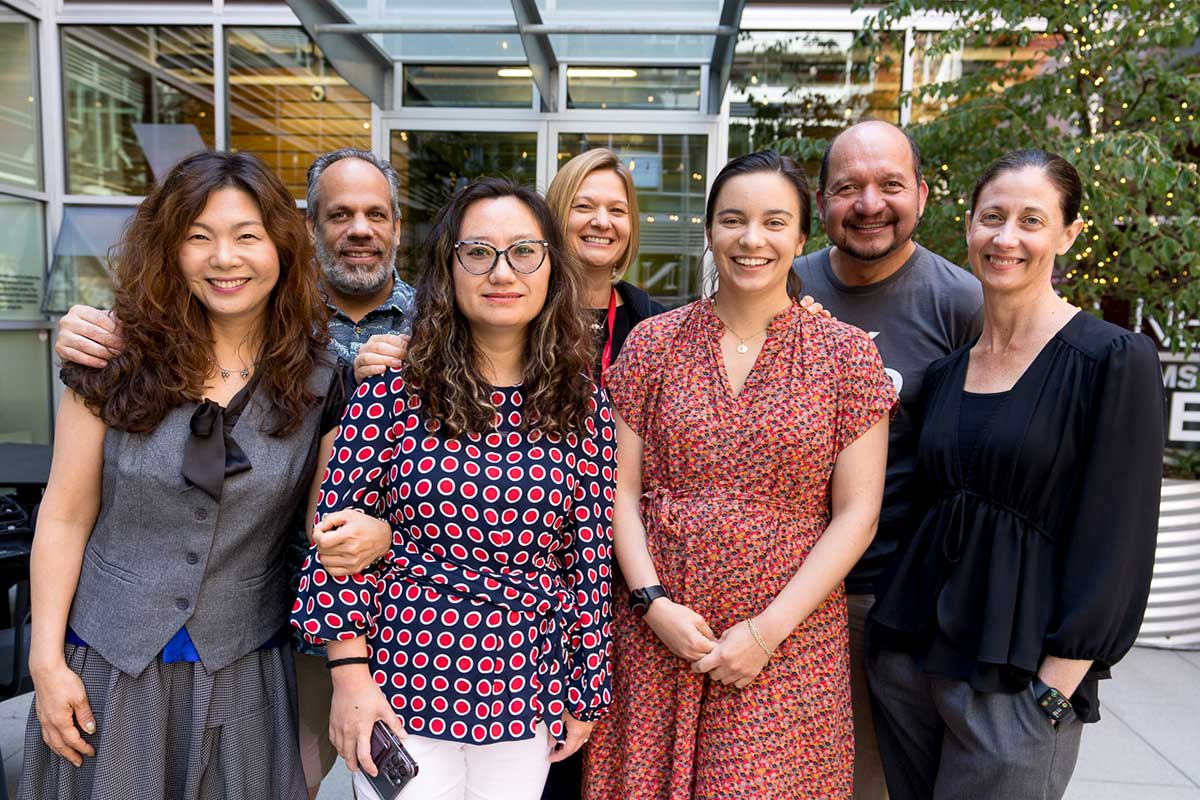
(480, 258)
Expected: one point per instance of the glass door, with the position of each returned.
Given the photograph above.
(671, 170)
(436, 157)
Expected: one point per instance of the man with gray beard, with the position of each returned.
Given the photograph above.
(353, 217)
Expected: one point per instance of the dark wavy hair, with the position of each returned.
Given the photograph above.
(767, 161)
(442, 357)
(168, 344)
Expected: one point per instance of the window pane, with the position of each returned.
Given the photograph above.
(482, 86)
(22, 259)
(80, 270)
(929, 68)
(20, 146)
(668, 171)
(632, 13)
(25, 403)
(137, 100)
(432, 165)
(287, 105)
(786, 84)
(673, 88)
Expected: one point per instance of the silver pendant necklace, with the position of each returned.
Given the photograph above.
(243, 373)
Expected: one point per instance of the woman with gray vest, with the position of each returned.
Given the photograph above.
(159, 659)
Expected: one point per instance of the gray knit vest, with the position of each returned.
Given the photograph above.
(164, 554)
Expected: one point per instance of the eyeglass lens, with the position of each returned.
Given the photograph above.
(478, 258)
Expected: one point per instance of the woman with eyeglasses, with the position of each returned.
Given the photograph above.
(483, 636)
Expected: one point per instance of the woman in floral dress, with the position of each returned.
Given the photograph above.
(752, 438)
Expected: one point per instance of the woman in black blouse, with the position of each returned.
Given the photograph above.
(595, 201)
(1026, 581)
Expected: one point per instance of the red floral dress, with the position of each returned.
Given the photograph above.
(736, 494)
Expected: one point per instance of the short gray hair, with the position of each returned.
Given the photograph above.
(321, 162)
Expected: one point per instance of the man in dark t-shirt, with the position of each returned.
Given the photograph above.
(917, 307)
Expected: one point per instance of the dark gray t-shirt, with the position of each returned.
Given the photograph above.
(922, 312)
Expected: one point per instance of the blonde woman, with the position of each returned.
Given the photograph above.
(596, 204)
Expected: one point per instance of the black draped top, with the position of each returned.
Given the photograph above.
(1042, 545)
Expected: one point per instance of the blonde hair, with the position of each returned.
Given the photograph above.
(565, 186)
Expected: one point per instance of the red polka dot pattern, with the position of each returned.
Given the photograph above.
(492, 611)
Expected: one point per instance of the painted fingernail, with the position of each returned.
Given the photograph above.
(90, 727)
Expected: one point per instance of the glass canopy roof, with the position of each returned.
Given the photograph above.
(364, 38)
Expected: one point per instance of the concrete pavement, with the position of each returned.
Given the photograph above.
(1146, 747)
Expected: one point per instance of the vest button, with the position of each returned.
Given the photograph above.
(192, 558)
(200, 514)
(182, 604)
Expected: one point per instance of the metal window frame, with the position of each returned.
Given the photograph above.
(35, 66)
(43, 30)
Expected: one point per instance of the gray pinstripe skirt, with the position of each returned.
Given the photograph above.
(176, 732)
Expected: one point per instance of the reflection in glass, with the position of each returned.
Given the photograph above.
(933, 68)
(20, 146)
(411, 47)
(461, 85)
(137, 100)
(786, 84)
(25, 397)
(287, 104)
(432, 165)
(668, 171)
(22, 258)
(632, 13)
(675, 88)
(80, 270)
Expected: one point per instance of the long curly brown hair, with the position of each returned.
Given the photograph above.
(442, 356)
(167, 351)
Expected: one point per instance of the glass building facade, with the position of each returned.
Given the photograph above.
(99, 100)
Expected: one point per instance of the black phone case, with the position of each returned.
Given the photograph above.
(394, 764)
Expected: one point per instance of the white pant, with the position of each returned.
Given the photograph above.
(456, 771)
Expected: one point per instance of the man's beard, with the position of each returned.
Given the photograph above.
(354, 281)
(900, 238)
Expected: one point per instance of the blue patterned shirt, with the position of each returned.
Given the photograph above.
(393, 315)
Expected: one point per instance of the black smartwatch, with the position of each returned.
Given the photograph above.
(640, 599)
(1054, 704)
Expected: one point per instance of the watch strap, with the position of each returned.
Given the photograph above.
(1054, 704)
(640, 599)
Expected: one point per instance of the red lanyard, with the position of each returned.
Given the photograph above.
(606, 355)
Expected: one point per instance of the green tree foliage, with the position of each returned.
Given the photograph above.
(1116, 90)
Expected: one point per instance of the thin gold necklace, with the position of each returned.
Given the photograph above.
(742, 347)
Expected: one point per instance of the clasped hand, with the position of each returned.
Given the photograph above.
(735, 659)
(348, 541)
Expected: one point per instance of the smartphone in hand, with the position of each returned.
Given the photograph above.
(395, 766)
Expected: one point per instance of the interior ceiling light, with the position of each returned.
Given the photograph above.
(514, 72)
(600, 72)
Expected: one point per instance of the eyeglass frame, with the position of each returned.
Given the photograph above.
(496, 260)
